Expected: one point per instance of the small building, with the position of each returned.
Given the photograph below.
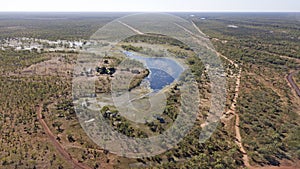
(159, 118)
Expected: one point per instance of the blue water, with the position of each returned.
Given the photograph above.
(163, 71)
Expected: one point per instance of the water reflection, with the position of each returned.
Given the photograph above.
(163, 71)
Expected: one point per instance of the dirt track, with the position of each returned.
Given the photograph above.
(131, 28)
(57, 145)
(233, 106)
(292, 82)
(237, 128)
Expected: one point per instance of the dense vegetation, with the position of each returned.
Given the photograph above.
(269, 125)
(11, 60)
(22, 141)
(256, 41)
(262, 45)
(156, 39)
(69, 26)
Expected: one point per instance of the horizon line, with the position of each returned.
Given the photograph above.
(149, 11)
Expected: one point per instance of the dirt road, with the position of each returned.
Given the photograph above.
(131, 28)
(57, 145)
(237, 121)
(292, 82)
(233, 105)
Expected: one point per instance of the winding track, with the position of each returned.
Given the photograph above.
(233, 106)
(292, 82)
(58, 146)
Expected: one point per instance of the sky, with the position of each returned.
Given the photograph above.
(151, 5)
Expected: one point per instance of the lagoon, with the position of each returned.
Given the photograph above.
(163, 70)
